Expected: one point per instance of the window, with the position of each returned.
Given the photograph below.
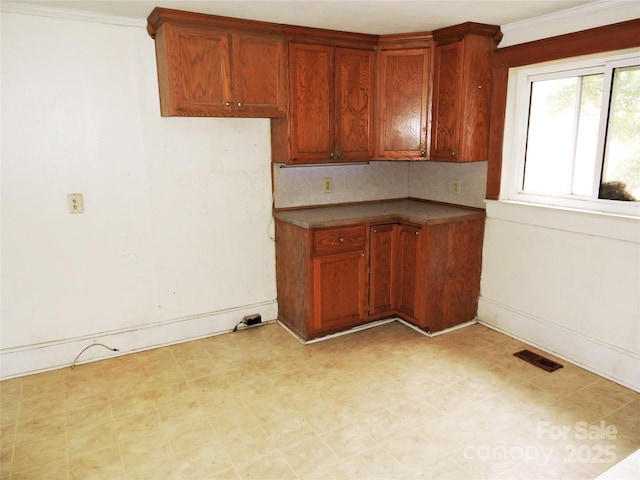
(577, 135)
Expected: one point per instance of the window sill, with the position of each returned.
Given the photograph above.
(613, 226)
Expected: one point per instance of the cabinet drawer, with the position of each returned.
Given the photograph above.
(336, 240)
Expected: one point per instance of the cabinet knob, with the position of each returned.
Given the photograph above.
(453, 154)
(423, 153)
(239, 104)
(227, 104)
(338, 155)
(417, 233)
(341, 240)
(362, 254)
(331, 155)
(375, 231)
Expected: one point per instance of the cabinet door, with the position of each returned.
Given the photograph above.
(406, 270)
(447, 102)
(403, 99)
(355, 87)
(258, 74)
(339, 290)
(193, 71)
(382, 246)
(312, 102)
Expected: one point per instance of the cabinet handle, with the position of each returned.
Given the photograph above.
(453, 154)
(423, 153)
(341, 240)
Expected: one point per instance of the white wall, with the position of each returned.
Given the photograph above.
(173, 243)
(566, 281)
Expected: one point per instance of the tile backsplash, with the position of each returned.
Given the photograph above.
(300, 186)
(434, 181)
(303, 185)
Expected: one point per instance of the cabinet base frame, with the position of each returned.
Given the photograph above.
(377, 323)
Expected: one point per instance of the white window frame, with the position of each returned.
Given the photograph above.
(520, 86)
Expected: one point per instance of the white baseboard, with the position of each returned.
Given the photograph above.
(29, 359)
(606, 360)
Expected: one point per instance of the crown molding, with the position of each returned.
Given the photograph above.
(69, 14)
(573, 12)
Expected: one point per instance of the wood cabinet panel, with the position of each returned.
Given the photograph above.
(258, 73)
(339, 290)
(355, 83)
(447, 106)
(452, 266)
(312, 104)
(407, 266)
(382, 252)
(320, 291)
(336, 240)
(462, 92)
(427, 275)
(403, 98)
(331, 105)
(197, 71)
(215, 66)
(294, 271)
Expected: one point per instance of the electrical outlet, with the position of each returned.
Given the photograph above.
(75, 202)
(327, 185)
(251, 320)
(457, 187)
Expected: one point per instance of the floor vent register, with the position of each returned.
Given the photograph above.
(538, 360)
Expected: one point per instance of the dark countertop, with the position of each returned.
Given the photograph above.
(390, 211)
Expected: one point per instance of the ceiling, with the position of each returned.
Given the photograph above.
(363, 16)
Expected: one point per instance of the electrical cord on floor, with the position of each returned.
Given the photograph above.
(88, 347)
(243, 321)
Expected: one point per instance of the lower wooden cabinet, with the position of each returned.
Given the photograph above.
(333, 279)
(321, 278)
(393, 270)
(450, 267)
(407, 269)
(382, 257)
(338, 290)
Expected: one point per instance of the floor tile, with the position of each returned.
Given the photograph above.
(383, 403)
(100, 464)
(310, 455)
(269, 467)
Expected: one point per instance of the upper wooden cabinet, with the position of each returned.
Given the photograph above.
(404, 66)
(332, 96)
(462, 92)
(218, 67)
(331, 102)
